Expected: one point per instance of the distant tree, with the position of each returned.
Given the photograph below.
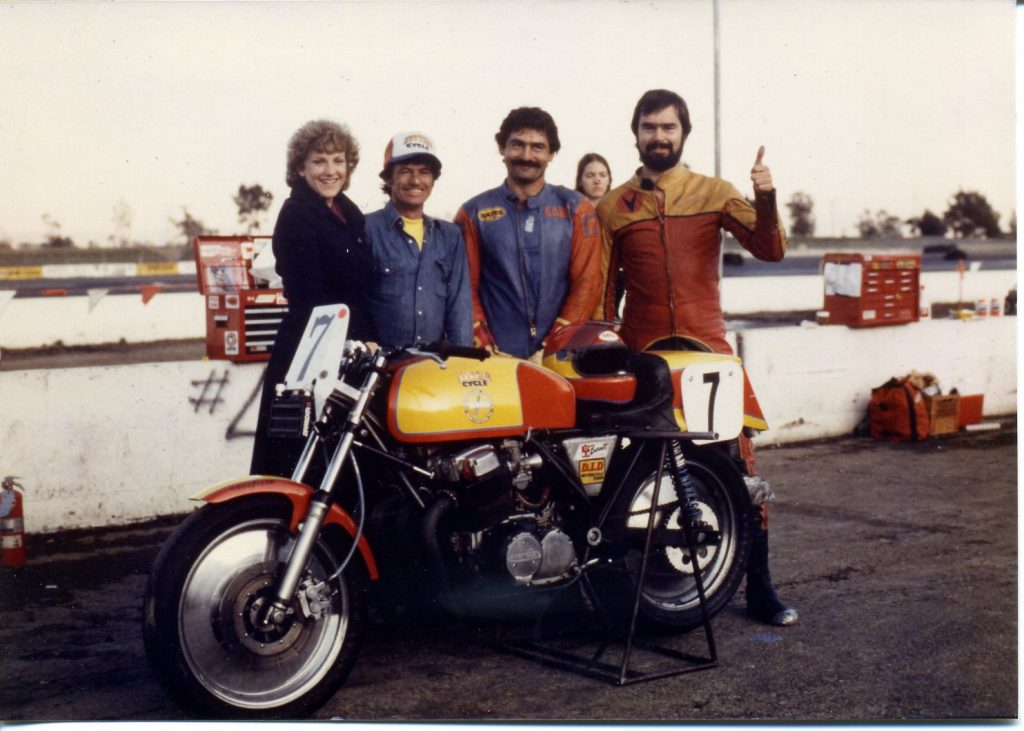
(927, 224)
(190, 227)
(54, 239)
(1011, 225)
(866, 226)
(801, 211)
(969, 214)
(253, 202)
(881, 225)
(122, 220)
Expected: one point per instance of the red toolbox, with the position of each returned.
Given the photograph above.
(241, 320)
(868, 290)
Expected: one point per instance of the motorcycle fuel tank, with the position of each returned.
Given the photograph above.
(470, 399)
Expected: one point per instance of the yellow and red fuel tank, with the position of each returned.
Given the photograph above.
(471, 399)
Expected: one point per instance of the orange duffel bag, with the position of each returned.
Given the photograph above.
(897, 412)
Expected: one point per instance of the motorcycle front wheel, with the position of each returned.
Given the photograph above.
(202, 611)
(669, 599)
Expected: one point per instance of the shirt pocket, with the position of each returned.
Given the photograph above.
(442, 276)
(389, 278)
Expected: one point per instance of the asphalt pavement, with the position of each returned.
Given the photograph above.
(901, 558)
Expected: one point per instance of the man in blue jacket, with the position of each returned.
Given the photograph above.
(534, 249)
(419, 292)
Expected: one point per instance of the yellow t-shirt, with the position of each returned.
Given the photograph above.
(414, 227)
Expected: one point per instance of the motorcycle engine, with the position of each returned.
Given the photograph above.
(510, 525)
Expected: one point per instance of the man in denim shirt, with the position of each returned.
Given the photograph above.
(420, 288)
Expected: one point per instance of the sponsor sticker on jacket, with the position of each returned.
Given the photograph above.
(490, 215)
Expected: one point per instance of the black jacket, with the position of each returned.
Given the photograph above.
(322, 260)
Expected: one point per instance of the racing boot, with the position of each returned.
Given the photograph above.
(762, 601)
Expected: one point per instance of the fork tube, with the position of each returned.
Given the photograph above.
(302, 466)
(321, 500)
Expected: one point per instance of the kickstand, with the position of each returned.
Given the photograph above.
(569, 650)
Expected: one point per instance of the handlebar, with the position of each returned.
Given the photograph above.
(447, 350)
(444, 350)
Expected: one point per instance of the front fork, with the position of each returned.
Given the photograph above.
(320, 503)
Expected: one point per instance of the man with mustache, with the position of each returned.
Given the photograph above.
(534, 249)
(419, 292)
(663, 229)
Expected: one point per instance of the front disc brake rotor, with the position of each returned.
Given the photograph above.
(244, 604)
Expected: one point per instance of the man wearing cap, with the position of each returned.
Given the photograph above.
(533, 248)
(420, 287)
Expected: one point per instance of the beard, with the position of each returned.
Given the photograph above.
(652, 157)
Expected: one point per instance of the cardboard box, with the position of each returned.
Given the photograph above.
(971, 407)
(943, 414)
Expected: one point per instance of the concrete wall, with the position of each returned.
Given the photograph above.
(29, 322)
(108, 445)
(119, 444)
(816, 381)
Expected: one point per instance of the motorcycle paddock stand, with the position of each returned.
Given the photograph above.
(547, 650)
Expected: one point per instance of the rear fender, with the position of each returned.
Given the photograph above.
(299, 495)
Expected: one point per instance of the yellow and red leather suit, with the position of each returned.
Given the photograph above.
(669, 251)
(668, 246)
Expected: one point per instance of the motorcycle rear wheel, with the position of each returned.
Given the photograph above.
(203, 598)
(669, 600)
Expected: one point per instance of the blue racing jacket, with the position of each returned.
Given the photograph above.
(418, 296)
(530, 263)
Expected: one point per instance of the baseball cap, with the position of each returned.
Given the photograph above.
(406, 145)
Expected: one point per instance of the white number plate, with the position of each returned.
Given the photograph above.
(713, 398)
(319, 351)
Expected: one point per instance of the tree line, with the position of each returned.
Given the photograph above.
(968, 215)
(253, 203)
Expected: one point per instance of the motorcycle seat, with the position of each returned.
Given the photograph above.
(650, 408)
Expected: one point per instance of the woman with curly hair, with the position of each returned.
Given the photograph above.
(322, 258)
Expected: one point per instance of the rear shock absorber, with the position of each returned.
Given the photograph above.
(685, 490)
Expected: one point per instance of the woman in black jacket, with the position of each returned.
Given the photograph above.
(322, 258)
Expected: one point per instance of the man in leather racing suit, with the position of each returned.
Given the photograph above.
(662, 227)
(533, 248)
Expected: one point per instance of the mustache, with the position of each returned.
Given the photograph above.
(525, 163)
(658, 146)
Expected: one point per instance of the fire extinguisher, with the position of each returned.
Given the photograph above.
(12, 523)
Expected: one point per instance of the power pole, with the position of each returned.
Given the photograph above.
(718, 121)
(718, 96)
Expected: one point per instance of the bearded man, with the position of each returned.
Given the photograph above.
(663, 229)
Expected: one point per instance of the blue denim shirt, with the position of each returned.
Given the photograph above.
(418, 296)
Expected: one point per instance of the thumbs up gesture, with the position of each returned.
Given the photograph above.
(760, 174)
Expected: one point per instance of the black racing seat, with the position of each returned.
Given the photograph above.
(651, 407)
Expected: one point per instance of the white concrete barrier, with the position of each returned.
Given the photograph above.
(120, 444)
(109, 445)
(31, 322)
(815, 382)
(34, 322)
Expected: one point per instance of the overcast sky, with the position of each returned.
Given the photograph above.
(152, 107)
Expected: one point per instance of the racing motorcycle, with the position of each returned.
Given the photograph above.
(448, 479)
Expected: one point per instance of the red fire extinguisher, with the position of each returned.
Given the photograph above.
(12, 523)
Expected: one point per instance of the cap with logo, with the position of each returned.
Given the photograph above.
(406, 145)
